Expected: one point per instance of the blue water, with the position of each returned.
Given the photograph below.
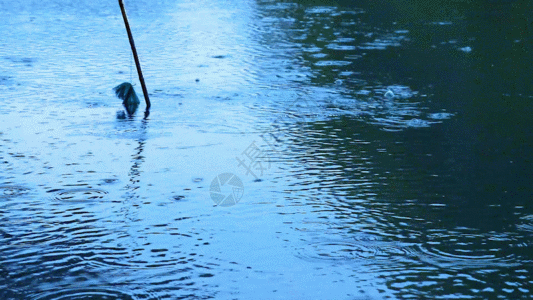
(294, 150)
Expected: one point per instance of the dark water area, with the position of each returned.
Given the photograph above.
(294, 150)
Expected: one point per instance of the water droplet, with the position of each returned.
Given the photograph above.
(389, 94)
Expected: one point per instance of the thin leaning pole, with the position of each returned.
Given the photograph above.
(134, 50)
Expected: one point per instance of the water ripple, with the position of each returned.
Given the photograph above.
(442, 251)
(354, 250)
(89, 294)
(12, 191)
(80, 195)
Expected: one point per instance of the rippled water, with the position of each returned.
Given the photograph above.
(294, 150)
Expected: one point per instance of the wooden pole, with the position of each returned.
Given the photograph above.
(134, 50)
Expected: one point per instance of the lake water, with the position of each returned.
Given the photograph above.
(294, 150)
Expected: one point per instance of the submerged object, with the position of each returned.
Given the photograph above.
(126, 92)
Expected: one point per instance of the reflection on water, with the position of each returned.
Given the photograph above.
(396, 135)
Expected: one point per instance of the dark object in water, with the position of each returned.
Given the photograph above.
(5, 234)
(126, 92)
(121, 115)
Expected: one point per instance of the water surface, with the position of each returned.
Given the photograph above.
(391, 146)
